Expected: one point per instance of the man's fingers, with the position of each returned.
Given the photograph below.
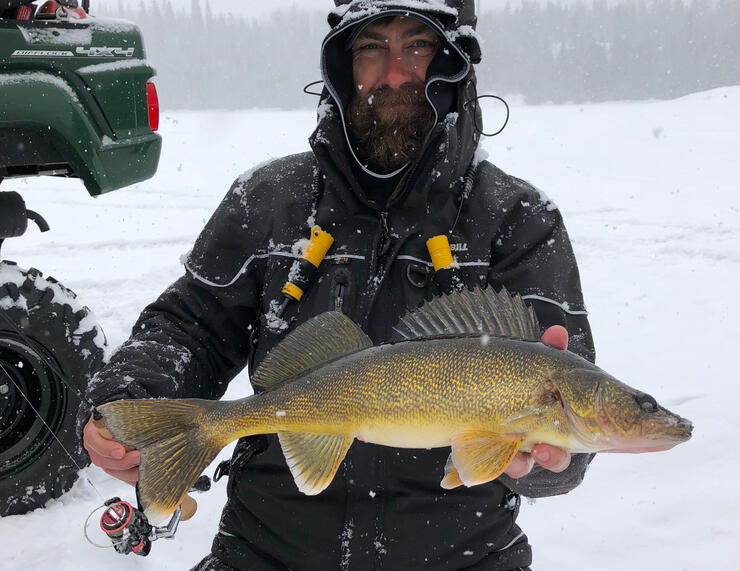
(550, 457)
(519, 466)
(130, 460)
(95, 443)
(555, 336)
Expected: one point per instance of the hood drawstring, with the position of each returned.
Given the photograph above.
(479, 128)
(307, 92)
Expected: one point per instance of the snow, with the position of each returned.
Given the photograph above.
(655, 223)
(113, 66)
(57, 36)
(359, 9)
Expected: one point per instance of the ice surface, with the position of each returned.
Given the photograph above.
(655, 223)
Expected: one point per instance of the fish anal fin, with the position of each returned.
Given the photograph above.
(481, 456)
(313, 459)
(452, 477)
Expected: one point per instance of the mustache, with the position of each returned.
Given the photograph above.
(383, 96)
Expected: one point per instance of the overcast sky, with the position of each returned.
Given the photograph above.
(261, 8)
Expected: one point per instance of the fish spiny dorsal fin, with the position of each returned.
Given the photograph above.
(318, 341)
(471, 313)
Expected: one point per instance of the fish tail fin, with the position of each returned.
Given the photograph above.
(176, 440)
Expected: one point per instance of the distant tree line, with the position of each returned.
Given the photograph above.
(544, 53)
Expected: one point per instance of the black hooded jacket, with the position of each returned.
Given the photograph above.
(385, 508)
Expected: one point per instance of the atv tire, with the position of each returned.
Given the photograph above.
(50, 346)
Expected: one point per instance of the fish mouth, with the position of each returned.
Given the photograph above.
(654, 431)
(647, 443)
(641, 449)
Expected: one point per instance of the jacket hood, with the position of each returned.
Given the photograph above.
(449, 87)
(456, 17)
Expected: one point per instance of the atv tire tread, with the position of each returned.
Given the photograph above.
(51, 328)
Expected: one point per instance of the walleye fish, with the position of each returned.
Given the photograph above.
(468, 372)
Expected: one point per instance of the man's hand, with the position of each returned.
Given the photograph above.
(549, 457)
(110, 455)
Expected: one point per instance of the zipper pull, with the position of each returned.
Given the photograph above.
(304, 270)
(384, 219)
(446, 274)
(385, 242)
(339, 299)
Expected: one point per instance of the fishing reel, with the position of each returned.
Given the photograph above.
(129, 529)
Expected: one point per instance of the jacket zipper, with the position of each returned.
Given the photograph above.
(384, 243)
(339, 299)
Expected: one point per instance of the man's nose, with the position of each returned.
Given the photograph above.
(397, 71)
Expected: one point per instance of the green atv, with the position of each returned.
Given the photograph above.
(75, 101)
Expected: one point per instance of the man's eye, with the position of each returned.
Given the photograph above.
(365, 47)
(422, 47)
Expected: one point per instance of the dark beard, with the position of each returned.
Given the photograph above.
(386, 141)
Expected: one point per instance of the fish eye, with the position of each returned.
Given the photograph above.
(646, 402)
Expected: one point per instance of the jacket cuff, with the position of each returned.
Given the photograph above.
(541, 483)
(99, 395)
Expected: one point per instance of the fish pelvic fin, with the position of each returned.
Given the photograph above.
(480, 456)
(313, 344)
(176, 441)
(470, 313)
(313, 459)
(451, 479)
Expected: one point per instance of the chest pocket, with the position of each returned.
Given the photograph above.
(334, 288)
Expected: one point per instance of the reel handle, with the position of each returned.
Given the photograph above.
(189, 506)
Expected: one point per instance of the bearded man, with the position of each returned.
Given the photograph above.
(393, 163)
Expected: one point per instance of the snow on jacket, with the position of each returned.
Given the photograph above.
(385, 508)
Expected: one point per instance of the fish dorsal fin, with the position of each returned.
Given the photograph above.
(471, 313)
(318, 341)
(313, 459)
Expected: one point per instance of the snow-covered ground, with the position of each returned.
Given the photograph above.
(651, 195)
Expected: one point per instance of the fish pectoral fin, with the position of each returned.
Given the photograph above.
(546, 398)
(452, 476)
(313, 459)
(481, 456)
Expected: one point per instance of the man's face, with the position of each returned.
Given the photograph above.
(392, 52)
(389, 115)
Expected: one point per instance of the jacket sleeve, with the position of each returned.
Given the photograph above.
(196, 336)
(532, 256)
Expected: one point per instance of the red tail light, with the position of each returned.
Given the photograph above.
(153, 105)
(24, 13)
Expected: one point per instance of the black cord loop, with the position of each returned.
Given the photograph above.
(479, 128)
(307, 92)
